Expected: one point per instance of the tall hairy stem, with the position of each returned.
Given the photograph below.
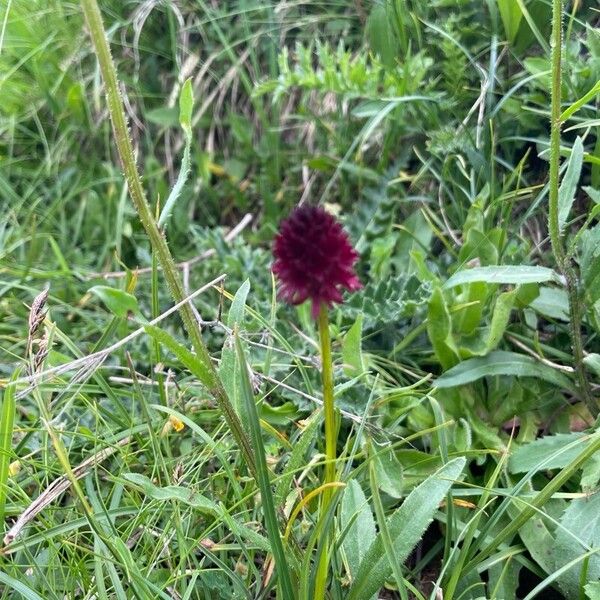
(563, 261)
(157, 239)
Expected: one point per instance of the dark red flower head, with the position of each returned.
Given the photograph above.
(313, 258)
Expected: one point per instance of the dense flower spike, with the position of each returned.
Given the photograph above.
(313, 258)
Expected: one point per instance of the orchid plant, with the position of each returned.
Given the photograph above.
(315, 261)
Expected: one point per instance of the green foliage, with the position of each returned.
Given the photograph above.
(425, 126)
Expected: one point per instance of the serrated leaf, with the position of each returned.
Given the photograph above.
(500, 362)
(590, 474)
(505, 274)
(389, 300)
(406, 526)
(568, 185)
(361, 532)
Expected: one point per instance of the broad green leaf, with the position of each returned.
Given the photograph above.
(166, 117)
(380, 34)
(352, 351)
(505, 274)
(478, 245)
(119, 302)
(549, 452)
(501, 362)
(568, 185)
(406, 527)
(552, 303)
(579, 533)
(439, 329)
(511, 16)
(356, 516)
(503, 580)
(526, 294)
(189, 360)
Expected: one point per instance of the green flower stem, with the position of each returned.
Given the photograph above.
(157, 239)
(330, 441)
(562, 260)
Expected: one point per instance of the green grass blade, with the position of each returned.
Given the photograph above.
(263, 479)
(7, 420)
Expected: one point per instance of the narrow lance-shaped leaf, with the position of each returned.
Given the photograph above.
(511, 16)
(6, 435)
(186, 105)
(501, 362)
(229, 367)
(568, 186)
(356, 515)
(505, 274)
(439, 329)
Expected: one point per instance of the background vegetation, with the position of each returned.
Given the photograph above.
(467, 433)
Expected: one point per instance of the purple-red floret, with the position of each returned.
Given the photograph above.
(314, 259)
